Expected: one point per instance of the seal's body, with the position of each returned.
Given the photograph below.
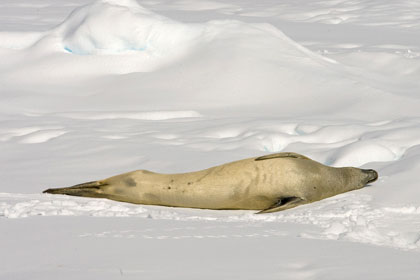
(269, 183)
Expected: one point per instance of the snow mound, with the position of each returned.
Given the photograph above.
(226, 64)
(109, 26)
(130, 38)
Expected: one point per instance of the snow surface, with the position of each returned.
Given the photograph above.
(93, 89)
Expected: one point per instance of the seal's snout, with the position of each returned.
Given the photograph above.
(372, 175)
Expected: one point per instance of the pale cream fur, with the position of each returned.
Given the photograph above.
(269, 183)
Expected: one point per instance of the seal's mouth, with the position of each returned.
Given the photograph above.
(372, 175)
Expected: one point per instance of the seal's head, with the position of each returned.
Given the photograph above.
(358, 178)
(371, 175)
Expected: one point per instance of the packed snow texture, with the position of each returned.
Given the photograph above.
(93, 89)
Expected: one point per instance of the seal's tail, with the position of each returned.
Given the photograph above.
(89, 189)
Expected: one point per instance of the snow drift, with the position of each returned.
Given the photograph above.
(223, 64)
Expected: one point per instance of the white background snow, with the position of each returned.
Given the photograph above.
(93, 89)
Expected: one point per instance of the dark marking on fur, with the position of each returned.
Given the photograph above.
(130, 182)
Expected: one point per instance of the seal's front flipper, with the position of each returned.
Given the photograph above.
(282, 204)
(89, 189)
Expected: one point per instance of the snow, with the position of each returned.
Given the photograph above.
(93, 89)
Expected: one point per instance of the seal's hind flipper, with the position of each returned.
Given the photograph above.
(282, 204)
(281, 155)
(89, 189)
